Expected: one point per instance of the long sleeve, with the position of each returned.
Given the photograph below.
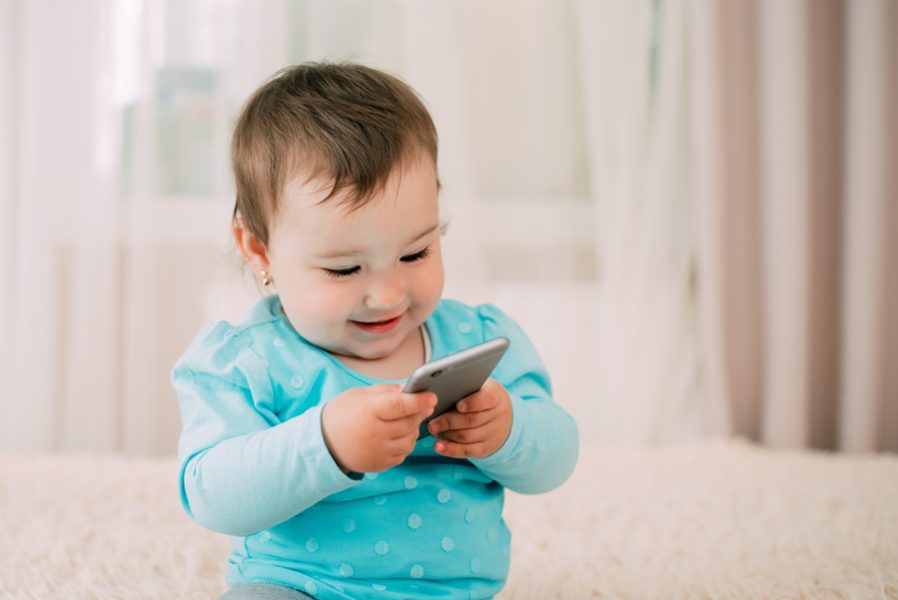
(542, 447)
(241, 470)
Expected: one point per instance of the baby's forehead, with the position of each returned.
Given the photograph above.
(314, 204)
(307, 190)
(304, 191)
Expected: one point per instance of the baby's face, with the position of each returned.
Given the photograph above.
(359, 283)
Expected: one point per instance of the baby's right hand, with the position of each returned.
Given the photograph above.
(370, 429)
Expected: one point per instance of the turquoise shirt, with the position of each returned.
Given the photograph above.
(254, 465)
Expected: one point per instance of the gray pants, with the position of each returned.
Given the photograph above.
(263, 591)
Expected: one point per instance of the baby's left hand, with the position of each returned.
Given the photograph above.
(477, 427)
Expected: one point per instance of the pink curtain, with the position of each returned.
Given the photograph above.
(795, 128)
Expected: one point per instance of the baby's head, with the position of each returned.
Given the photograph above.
(347, 124)
(336, 182)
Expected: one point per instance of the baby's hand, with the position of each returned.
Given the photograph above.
(370, 429)
(478, 426)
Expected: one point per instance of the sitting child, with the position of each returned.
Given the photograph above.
(297, 440)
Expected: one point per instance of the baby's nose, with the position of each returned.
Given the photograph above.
(384, 295)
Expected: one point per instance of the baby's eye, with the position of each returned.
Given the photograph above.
(416, 256)
(337, 273)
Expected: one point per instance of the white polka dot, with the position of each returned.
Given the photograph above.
(297, 381)
(465, 327)
(312, 545)
(410, 482)
(447, 544)
(311, 588)
(444, 496)
(378, 587)
(475, 565)
(380, 500)
(417, 571)
(347, 570)
(371, 476)
(382, 548)
(279, 343)
(414, 520)
(265, 537)
(492, 535)
(348, 525)
(469, 515)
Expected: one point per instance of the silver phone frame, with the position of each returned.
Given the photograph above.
(460, 367)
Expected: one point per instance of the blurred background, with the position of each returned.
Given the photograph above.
(691, 206)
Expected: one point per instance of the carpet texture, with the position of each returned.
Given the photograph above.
(723, 520)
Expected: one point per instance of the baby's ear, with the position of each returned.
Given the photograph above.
(254, 251)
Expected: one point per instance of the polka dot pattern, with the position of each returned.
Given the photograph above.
(443, 500)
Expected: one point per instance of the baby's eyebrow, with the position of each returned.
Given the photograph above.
(349, 252)
(424, 234)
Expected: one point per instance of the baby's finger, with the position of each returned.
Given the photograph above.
(401, 428)
(484, 399)
(403, 445)
(458, 450)
(465, 436)
(398, 406)
(455, 420)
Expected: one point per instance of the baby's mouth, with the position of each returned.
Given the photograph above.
(384, 326)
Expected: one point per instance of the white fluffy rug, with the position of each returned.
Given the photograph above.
(712, 520)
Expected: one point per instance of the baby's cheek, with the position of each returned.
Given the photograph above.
(332, 302)
(429, 283)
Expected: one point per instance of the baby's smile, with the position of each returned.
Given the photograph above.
(384, 326)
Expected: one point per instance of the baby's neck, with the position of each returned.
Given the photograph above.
(399, 365)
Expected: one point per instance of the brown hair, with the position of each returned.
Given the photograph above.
(343, 121)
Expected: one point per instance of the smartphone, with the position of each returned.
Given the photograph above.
(456, 376)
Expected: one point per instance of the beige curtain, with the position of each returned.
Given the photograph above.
(795, 152)
(642, 348)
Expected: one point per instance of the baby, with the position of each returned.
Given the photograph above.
(297, 440)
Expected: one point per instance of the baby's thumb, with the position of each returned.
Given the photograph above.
(426, 403)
